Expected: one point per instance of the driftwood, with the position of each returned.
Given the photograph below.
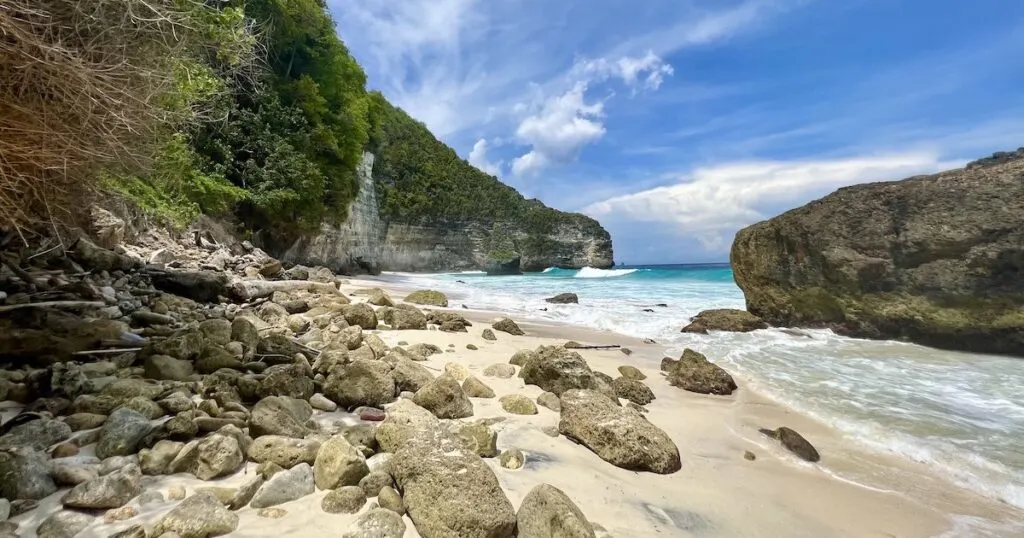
(248, 290)
(108, 351)
(67, 305)
(611, 346)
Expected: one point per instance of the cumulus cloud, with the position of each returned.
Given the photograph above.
(562, 125)
(478, 158)
(711, 204)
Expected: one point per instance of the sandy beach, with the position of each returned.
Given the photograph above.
(717, 493)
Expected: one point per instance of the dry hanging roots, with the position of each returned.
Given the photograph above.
(80, 83)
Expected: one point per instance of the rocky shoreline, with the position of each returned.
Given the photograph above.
(216, 393)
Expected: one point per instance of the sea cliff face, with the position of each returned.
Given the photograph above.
(369, 242)
(937, 260)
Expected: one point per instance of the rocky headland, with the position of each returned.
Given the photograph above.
(937, 260)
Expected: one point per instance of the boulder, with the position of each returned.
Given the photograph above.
(725, 319)
(427, 297)
(344, 500)
(122, 433)
(217, 456)
(362, 315)
(550, 400)
(448, 490)
(556, 369)
(377, 523)
(523, 356)
(200, 286)
(36, 434)
(547, 512)
(280, 415)
(794, 442)
(477, 437)
(445, 398)
(72, 473)
(618, 435)
(424, 350)
(64, 524)
(503, 265)
(199, 516)
(564, 298)
(390, 499)
(403, 319)
(935, 260)
(517, 404)
(363, 382)
(512, 459)
(474, 388)
(290, 380)
(632, 372)
(501, 370)
(245, 493)
(338, 464)
(25, 474)
(216, 331)
(634, 391)
(286, 452)
(167, 367)
(285, 486)
(506, 325)
(157, 460)
(379, 297)
(410, 376)
(111, 491)
(374, 482)
(695, 373)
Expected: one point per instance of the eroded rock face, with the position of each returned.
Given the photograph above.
(933, 259)
(618, 435)
(695, 373)
(199, 516)
(547, 512)
(556, 369)
(724, 319)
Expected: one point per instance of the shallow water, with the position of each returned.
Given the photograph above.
(962, 414)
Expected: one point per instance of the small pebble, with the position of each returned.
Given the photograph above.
(749, 456)
(471, 347)
(272, 512)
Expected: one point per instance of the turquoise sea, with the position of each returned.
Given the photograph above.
(961, 414)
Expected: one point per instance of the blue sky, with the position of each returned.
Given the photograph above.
(677, 122)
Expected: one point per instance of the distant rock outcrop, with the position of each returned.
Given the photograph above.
(937, 260)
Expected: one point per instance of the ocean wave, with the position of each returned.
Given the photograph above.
(591, 272)
(549, 269)
(471, 273)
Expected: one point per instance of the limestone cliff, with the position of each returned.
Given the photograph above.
(370, 241)
(937, 260)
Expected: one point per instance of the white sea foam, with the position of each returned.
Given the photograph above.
(472, 272)
(549, 269)
(591, 272)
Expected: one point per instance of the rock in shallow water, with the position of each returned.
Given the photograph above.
(616, 434)
(794, 442)
(725, 319)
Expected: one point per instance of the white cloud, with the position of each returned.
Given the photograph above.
(478, 158)
(567, 122)
(710, 204)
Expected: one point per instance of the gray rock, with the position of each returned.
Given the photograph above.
(547, 512)
(523, 356)
(488, 335)
(517, 404)
(285, 486)
(362, 436)
(448, 490)
(339, 464)
(374, 482)
(25, 474)
(377, 523)
(199, 516)
(245, 332)
(320, 402)
(427, 297)
(408, 319)
(476, 437)
(37, 434)
(111, 491)
(550, 400)
(64, 524)
(286, 452)
(135, 531)
(556, 369)
(474, 388)
(512, 458)
(121, 433)
(506, 325)
(564, 298)
(693, 372)
(361, 314)
(794, 442)
(143, 406)
(634, 391)
(245, 493)
(445, 398)
(5, 509)
(167, 367)
(618, 435)
(216, 331)
(390, 499)
(503, 371)
(116, 463)
(291, 380)
(363, 382)
(73, 473)
(280, 415)
(344, 500)
(84, 421)
(157, 460)
(410, 376)
(349, 337)
(632, 372)
(208, 458)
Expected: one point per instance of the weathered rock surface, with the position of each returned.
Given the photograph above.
(564, 298)
(339, 464)
(122, 433)
(363, 382)
(285, 486)
(445, 398)
(36, 434)
(287, 452)
(280, 415)
(344, 500)
(547, 512)
(556, 369)
(427, 297)
(199, 516)
(725, 319)
(695, 373)
(794, 442)
(618, 435)
(376, 523)
(25, 474)
(506, 325)
(64, 524)
(517, 404)
(111, 491)
(936, 260)
(632, 390)
(448, 490)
